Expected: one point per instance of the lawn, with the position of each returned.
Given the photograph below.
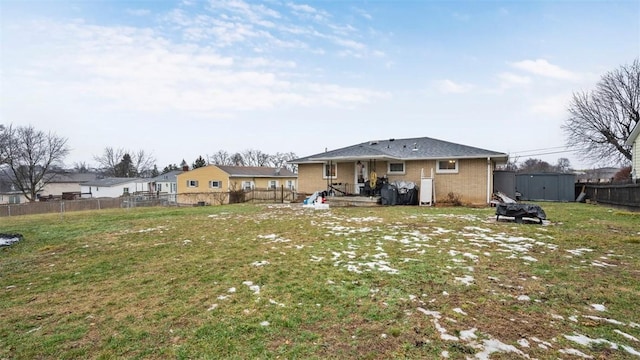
(280, 281)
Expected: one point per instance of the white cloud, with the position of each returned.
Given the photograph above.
(508, 80)
(363, 13)
(138, 12)
(130, 69)
(543, 68)
(450, 87)
(554, 106)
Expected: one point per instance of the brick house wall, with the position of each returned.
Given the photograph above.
(470, 182)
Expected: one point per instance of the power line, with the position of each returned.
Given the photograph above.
(542, 149)
(547, 153)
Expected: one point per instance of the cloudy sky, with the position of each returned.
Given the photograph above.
(186, 78)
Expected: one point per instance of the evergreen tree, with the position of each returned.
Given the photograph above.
(125, 167)
(200, 162)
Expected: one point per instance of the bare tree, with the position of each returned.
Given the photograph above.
(237, 160)
(221, 158)
(4, 143)
(281, 160)
(109, 160)
(81, 167)
(31, 156)
(601, 120)
(535, 165)
(141, 162)
(563, 165)
(254, 157)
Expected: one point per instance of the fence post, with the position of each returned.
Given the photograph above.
(9, 210)
(282, 194)
(61, 210)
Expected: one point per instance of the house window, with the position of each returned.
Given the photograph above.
(158, 187)
(395, 168)
(192, 183)
(247, 185)
(125, 190)
(330, 171)
(14, 199)
(215, 184)
(447, 166)
(273, 184)
(290, 185)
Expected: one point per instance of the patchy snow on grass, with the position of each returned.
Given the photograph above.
(459, 311)
(575, 352)
(468, 335)
(610, 321)
(586, 341)
(252, 287)
(466, 280)
(492, 346)
(274, 238)
(599, 307)
(602, 264)
(630, 337)
(523, 298)
(364, 219)
(260, 263)
(436, 322)
(523, 343)
(212, 307)
(579, 252)
(273, 302)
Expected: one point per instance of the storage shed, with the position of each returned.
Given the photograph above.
(546, 186)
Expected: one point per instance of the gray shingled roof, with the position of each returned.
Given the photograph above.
(72, 177)
(402, 149)
(256, 171)
(113, 181)
(170, 176)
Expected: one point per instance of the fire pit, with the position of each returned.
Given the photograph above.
(520, 211)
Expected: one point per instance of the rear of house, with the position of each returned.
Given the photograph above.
(456, 170)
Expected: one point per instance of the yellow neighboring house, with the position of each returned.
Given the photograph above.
(211, 184)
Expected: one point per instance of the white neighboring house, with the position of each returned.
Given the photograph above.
(164, 184)
(66, 182)
(114, 187)
(634, 142)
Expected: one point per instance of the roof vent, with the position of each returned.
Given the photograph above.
(392, 139)
(415, 147)
(373, 142)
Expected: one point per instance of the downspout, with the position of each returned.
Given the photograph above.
(488, 180)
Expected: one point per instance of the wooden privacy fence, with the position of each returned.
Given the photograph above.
(627, 195)
(277, 195)
(45, 207)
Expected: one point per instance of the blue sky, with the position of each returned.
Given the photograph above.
(186, 78)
